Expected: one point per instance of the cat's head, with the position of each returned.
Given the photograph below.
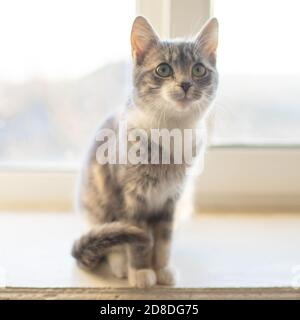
(174, 76)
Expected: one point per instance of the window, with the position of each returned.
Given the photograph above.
(58, 81)
(259, 100)
(63, 67)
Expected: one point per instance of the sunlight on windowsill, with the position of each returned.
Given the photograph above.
(211, 251)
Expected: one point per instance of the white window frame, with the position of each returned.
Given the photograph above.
(235, 178)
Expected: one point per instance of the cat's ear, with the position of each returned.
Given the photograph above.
(142, 37)
(207, 38)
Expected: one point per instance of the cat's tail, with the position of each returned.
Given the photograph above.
(94, 245)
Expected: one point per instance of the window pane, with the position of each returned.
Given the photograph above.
(258, 57)
(63, 67)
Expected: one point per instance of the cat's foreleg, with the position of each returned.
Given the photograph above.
(140, 272)
(161, 252)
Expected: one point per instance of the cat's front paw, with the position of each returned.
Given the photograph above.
(142, 278)
(166, 276)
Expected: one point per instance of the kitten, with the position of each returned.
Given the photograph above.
(131, 206)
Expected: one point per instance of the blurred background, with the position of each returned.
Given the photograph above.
(64, 65)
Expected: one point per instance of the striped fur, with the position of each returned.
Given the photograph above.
(93, 246)
(131, 206)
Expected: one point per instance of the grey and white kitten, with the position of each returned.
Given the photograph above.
(131, 206)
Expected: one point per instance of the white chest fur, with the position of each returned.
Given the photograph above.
(156, 196)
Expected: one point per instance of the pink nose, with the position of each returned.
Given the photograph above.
(185, 86)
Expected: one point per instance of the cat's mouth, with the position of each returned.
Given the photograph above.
(185, 101)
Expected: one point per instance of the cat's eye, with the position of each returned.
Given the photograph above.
(199, 70)
(164, 70)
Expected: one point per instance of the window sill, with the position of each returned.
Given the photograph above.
(217, 256)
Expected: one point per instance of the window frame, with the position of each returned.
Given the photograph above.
(255, 177)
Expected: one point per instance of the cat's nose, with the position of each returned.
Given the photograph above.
(185, 86)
